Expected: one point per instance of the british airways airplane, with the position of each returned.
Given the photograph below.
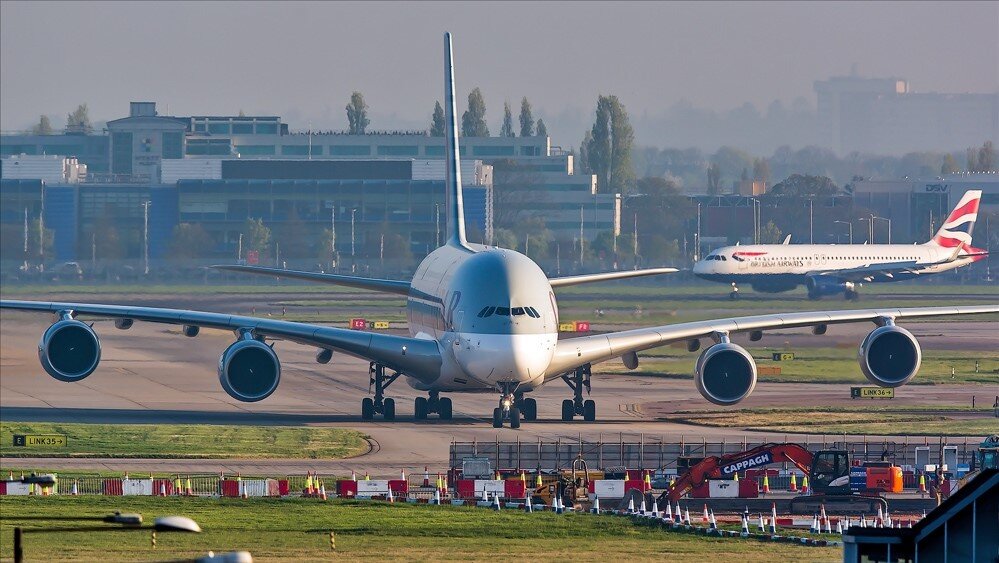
(481, 320)
(828, 269)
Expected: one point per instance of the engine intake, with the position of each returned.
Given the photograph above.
(725, 374)
(890, 356)
(69, 350)
(249, 370)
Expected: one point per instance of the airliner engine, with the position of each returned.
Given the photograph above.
(249, 370)
(819, 287)
(725, 374)
(890, 356)
(69, 350)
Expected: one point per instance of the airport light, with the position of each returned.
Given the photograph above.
(889, 225)
(850, 225)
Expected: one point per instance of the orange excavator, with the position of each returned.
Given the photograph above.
(828, 475)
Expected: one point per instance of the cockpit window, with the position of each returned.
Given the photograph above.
(517, 311)
(532, 312)
(503, 311)
(486, 311)
(507, 312)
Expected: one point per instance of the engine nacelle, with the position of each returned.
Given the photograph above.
(69, 350)
(249, 370)
(890, 356)
(819, 286)
(725, 374)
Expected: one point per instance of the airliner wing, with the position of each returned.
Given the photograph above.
(872, 271)
(573, 352)
(385, 286)
(414, 357)
(607, 276)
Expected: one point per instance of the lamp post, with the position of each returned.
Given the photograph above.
(353, 260)
(145, 237)
(437, 223)
(811, 239)
(848, 224)
(889, 225)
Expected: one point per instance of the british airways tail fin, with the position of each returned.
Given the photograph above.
(455, 206)
(956, 231)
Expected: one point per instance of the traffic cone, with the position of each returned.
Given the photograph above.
(766, 484)
(162, 489)
(426, 476)
(761, 527)
(189, 491)
(596, 505)
(773, 526)
(686, 515)
(828, 526)
(322, 491)
(437, 496)
(402, 475)
(485, 495)
(308, 484)
(704, 519)
(528, 503)
(242, 487)
(523, 478)
(669, 512)
(496, 502)
(804, 485)
(794, 483)
(641, 508)
(679, 514)
(745, 526)
(631, 506)
(648, 481)
(887, 519)
(922, 484)
(881, 515)
(557, 505)
(822, 514)
(76, 490)
(713, 524)
(773, 513)
(366, 476)
(353, 475)
(815, 525)
(391, 498)
(537, 482)
(655, 509)
(839, 527)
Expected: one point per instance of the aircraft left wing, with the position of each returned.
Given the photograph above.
(415, 357)
(607, 276)
(573, 352)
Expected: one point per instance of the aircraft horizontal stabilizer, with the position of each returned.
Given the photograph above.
(372, 284)
(607, 276)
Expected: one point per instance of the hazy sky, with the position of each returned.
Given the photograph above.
(302, 60)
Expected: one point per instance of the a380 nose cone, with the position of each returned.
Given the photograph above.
(505, 358)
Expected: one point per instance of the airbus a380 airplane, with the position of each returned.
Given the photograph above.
(483, 320)
(827, 269)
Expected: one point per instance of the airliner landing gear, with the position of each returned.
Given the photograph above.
(507, 409)
(735, 292)
(434, 404)
(579, 379)
(528, 406)
(379, 404)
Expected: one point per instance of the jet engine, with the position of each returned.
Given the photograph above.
(819, 287)
(890, 356)
(69, 350)
(249, 370)
(725, 374)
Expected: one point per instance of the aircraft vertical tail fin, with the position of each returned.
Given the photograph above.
(956, 231)
(455, 206)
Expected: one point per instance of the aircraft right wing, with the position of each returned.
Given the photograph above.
(373, 284)
(573, 352)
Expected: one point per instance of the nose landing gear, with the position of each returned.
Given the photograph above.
(734, 294)
(379, 404)
(579, 379)
(507, 409)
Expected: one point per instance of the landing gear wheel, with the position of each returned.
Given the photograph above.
(568, 410)
(851, 295)
(388, 409)
(367, 408)
(420, 408)
(515, 418)
(497, 418)
(444, 408)
(589, 410)
(530, 409)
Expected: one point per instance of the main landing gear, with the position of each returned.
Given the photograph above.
(379, 404)
(434, 404)
(576, 381)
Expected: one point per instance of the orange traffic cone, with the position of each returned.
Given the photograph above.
(766, 484)
(189, 491)
(804, 485)
(366, 476)
(402, 475)
(648, 481)
(322, 491)
(922, 484)
(704, 518)
(794, 483)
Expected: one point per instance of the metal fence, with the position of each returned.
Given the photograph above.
(653, 452)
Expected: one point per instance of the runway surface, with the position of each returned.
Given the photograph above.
(151, 373)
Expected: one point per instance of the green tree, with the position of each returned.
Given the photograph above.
(972, 160)
(325, 253)
(107, 240)
(949, 165)
(987, 157)
(78, 121)
(357, 114)
(583, 162)
(45, 236)
(507, 129)
(256, 236)
(714, 179)
(190, 241)
(542, 129)
(770, 234)
(731, 162)
(804, 185)
(473, 121)
(294, 238)
(43, 127)
(534, 236)
(437, 125)
(505, 238)
(609, 151)
(526, 118)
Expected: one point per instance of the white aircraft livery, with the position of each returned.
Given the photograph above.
(828, 269)
(481, 319)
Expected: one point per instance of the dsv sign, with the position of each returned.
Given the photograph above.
(937, 188)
